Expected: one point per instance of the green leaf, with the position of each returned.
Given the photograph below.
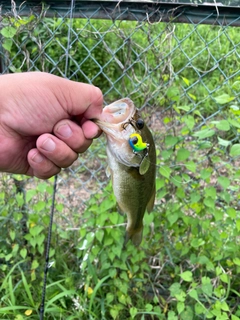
(7, 44)
(172, 316)
(12, 234)
(195, 197)
(190, 122)
(222, 125)
(234, 123)
(186, 81)
(187, 276)
(173, 93)
(184, 108)
(236, 85)
(207, 288)
(238, 224)
(192, 96)
(224, 277)
(8, 32)
(236, 261)
(35, 264)
(210, 192)
(172, 217)
(35, 230)
(193, 294)
(23, 253)
(170, 141)
(182, 154)
(191, 166)
(133, 312)
(99, 235)
(205, 133)
(223, 142)
(160, 183)
(165, 171)
(199, 308)
(205, 174)
(175, 288)
(224, 182)
(205, 145)
(209, 202)
(30, 194)
(235, 150)
(187, 314)
(195, 243)
(114, 217)
(180, 307)
(232, 213)
(148, 307)
(224, 98)
(166, 154)
(224, 306)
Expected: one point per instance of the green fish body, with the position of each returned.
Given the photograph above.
(132, 170)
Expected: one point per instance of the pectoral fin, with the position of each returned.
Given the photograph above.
(144, 165)
(108, 172)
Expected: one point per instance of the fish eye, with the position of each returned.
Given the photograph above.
(140, 123)
(134, 140)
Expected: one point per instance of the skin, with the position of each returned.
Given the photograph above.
(45, 122)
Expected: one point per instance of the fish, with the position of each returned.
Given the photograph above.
(131, 156)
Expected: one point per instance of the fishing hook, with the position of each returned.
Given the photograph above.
(136, 124)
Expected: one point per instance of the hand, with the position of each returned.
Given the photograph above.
(45, 122)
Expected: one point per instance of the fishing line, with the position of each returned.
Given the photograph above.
(173, 166)
(134, 139)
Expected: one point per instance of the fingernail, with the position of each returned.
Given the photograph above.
(64, 130)
(49, 145)
(37, 158)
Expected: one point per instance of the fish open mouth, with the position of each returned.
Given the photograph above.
(115, 115)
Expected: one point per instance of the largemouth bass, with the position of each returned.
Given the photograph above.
(132, 163)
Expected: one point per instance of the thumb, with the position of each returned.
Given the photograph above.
(81, 99)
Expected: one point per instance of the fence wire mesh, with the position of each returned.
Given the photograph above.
(169, 70)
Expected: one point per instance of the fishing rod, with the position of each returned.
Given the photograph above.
(47, 264)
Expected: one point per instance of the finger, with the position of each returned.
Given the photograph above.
(82, 99)
(90, 129)
(40, 166)
(77, 138)
(56, 150)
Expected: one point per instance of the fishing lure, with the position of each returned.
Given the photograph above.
(136, 143)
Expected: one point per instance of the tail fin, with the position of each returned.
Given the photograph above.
(135, 236)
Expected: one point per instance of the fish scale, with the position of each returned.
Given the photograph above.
(133, 185)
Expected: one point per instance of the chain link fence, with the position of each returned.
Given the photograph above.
(184, 76)
(180, 64)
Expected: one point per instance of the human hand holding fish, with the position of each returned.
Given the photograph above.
(132, 163)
